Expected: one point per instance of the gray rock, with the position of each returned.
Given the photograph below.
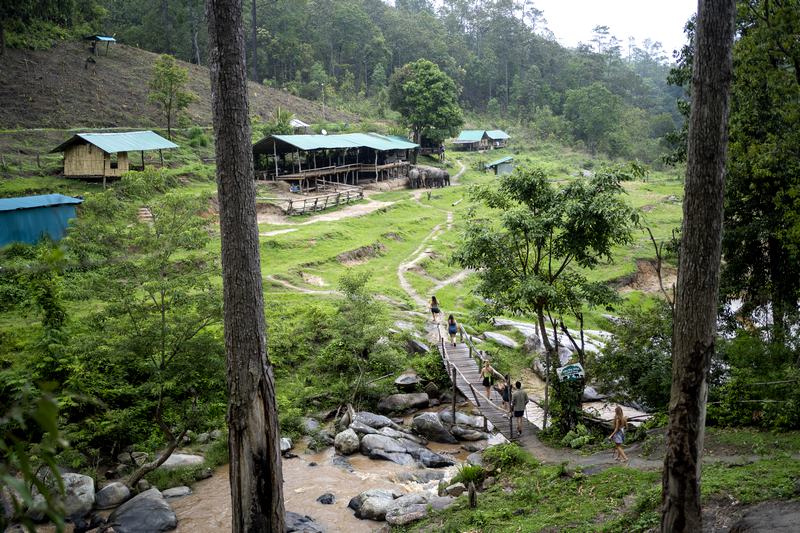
(773, 517)
(286, 444)
(347, 442)
(402, 325)
(429, 426)
(362, 429)
(502, 340)
(179, 460)
(387, 448)
(372, 420)
(176, 492)
(215, 435)
(421, 476)
(310, 426)
(398, 403)
(356, 501)
(488, 482)
(590, 394)
(203, 473)
(475, 458)
(476, 446)
(147, 512)
(112, 495)
(375, 508)
(463, 433)
(78, 494)
(327, 499)
(533, 344)
(432, 390)
(297, 523)
(342, 462)
(416, 346)
(455, 490)
(397, 434)
(408, 381)
(462, 419)
(400, 516)
(433, 460)
(437, 503)
(142, 485)
(203, 438)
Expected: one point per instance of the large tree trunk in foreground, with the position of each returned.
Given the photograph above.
(253, 439)
(698, 271)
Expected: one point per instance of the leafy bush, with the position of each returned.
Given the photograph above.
(506, 455)
(577, 438)
(469, 474)
(429, 367)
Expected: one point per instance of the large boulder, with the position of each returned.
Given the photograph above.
(533, 344)
(432, 390)
(372, 420)
(147, 512)
(463, 433)
(397, 434)
(180, 460)
(416, 346)
(406, 509)
(502, 340)
(462, 419)
(112, 495)
(78, 494)
(408, 381)
(297, 523)
(475, 459)
(398, 403)
(346, 442)
(429, 426)
(176, 492)
(375, 508)
(363, 429)
(773, 517)
(383, 447)
(356, 502)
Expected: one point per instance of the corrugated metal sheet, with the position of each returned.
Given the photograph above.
(30, 218)
(499, 161)
(104, 38)
(497, 135)
(131, 141)
(342, 141)
(470, 136)
(41, 200)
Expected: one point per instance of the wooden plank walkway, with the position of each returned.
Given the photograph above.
(463, 358)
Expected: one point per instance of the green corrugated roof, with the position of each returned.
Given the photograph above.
(375, 141)
(131, 141)
(497, 135)
(499, 161)
(470, 136)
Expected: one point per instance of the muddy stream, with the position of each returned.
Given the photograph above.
(208, 508)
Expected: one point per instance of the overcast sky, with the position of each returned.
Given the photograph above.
(659, 20)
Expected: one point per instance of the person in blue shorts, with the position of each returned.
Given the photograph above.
(452, 329)
(618, 435)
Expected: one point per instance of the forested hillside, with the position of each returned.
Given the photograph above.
(508, 66)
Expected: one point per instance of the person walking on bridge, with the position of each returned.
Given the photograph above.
(435, 309)
(487, 374)
(452, 329)
(519, 399)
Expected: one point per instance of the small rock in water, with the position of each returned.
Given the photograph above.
(177, 492)
(342, 462)
(301, 524)
(286, 444)
(312, 463)
(346, 442)
(327, 499)
(203, 473)
(178, 460)
(142, 485)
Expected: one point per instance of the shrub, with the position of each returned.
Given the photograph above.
(577, 438)
(469, 474)
(505, 455)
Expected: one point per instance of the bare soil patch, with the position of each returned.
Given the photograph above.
(311, 279)
(645, 279)
(361, 255)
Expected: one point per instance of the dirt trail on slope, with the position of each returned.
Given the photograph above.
(355, 210)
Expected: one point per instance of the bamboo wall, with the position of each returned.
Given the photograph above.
(89, 160)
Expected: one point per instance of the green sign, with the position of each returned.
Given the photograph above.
(570, 372)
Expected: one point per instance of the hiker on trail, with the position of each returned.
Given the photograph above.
(435, 309)
(452, 329)
(441, 152)
(505, 394)
(488, 373)
(618, 435)
(518, 402)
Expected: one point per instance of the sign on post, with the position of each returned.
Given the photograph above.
(570, 372)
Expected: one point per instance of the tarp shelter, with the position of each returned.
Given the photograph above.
(499, 138)
(106, 154)
(95, 39)
(28, 218)
(299, 126)
(348, 156)
(503, 165)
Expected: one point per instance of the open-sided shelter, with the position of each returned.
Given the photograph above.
(103, 155)
(472, 140)
(308, 160)
(498, 138)
(29, 218)
(99, 39)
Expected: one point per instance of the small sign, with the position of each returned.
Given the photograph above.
(570, 372)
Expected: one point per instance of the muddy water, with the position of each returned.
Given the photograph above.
(209, 507)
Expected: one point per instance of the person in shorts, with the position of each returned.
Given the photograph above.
(435, 309)
(519, 399)
(452, 329)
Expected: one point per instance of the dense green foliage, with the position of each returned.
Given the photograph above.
(168, 92)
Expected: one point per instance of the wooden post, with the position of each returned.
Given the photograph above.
(161, 156)
(275, 157)
(454, 392)
(142, 154)
(511, 410)
(38, 163)
(473, 496)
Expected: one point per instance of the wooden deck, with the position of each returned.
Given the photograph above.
(335, 194)
(347, 174)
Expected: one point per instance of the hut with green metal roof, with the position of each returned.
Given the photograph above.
(504, 165)
(498, 138)
(105, 155)
(472, 140)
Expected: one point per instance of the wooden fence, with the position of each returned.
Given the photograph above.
(301, 206)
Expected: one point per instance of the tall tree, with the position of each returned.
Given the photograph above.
(253, 437)
(698, 269)
(167, 89)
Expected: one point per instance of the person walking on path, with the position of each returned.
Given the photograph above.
(505, 393)
(452, 329)
(519, 399)
(618, 435)
(435, 309)
(487, 374)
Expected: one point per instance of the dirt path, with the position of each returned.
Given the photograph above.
(355, 210)
(289, 286)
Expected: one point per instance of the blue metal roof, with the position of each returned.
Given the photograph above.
(374, 141)
(42, 200)
(130, 141)
(497, 135)
(470, 136)
(104, 38)
(500, 161)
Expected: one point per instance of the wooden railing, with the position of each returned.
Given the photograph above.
(292, 206)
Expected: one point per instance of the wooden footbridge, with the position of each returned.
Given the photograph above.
(462, 363)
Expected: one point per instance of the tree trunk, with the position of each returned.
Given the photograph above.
(254, 43)
(698, 271)
(253, 438)
(2, 38)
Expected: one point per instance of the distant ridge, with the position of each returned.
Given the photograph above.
(57, 88)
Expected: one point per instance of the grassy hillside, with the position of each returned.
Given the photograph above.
(55, 89)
